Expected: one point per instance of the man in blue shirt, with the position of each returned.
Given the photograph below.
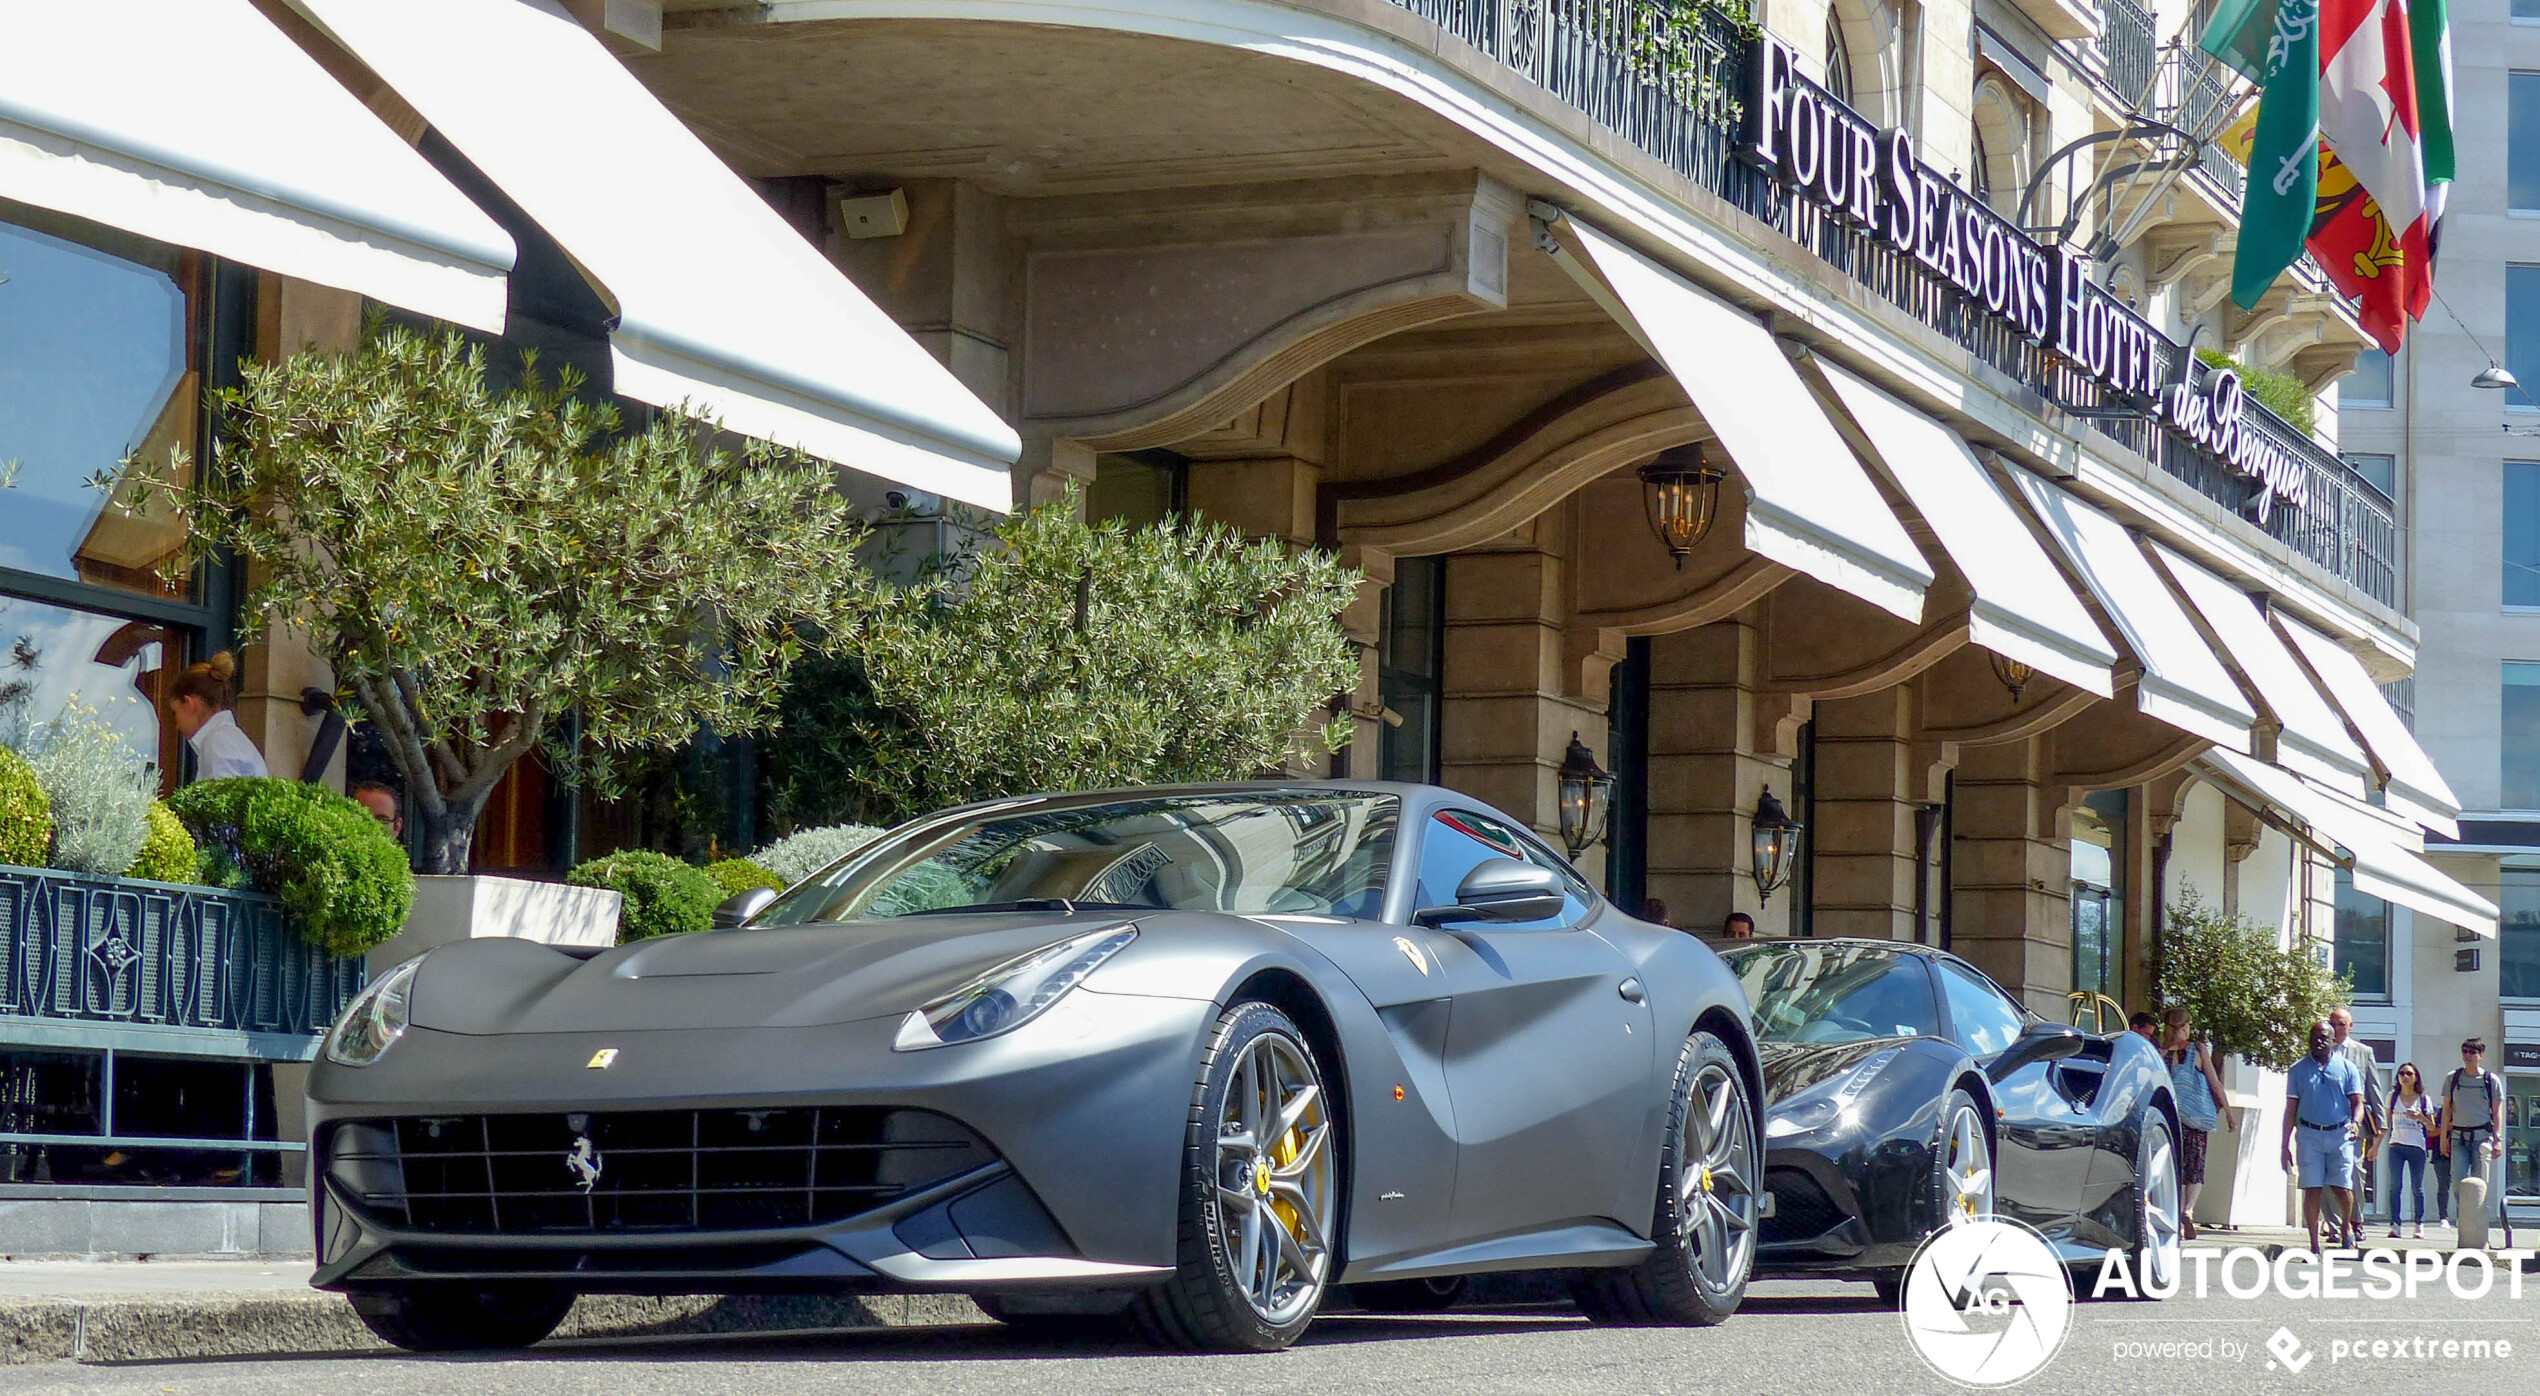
(2324, 1098)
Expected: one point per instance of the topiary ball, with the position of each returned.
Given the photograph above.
(738, 875)
(663, 895)
(167, 851)
(344, 880)
(26, 815)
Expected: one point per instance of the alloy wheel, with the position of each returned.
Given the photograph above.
(1967, 1170)
(1716, 1192)
(2161, 1210)
(1275, 1179)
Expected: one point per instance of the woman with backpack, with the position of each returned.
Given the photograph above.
(2197, 1088)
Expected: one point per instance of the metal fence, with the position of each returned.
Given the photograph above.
(2129, 48)
(143, 955)
(1676, 88)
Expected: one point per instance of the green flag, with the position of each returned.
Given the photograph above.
(2276, 43)
(2430, 39)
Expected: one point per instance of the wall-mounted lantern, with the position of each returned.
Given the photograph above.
(1777, 838)
(1587, 798)
(1680, 490)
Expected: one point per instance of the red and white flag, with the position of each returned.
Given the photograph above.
(2369, 121)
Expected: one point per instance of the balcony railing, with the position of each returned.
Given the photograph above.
(1677, 88)
(123, 960)
(2128, 47)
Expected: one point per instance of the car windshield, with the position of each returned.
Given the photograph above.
(1260, 852)
(1834, 993)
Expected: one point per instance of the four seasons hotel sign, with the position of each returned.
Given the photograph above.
(1821, 150)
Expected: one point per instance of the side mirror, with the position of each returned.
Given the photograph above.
(1500, 889)
(741, 906)
(2042, 1042)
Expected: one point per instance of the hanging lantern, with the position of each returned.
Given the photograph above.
(2013, 674)
(1777, 838)
(1680, 489)
(1587, 798)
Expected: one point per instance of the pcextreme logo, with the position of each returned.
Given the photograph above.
(2289, 1352)
(1987, 1303)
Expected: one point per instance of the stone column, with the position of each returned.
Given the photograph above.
(2011, 913)
(1705, 771)
(1506, 716)
(1868, 784)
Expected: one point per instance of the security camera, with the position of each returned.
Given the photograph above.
(897, 499)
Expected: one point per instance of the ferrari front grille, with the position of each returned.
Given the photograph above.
(656, 1171)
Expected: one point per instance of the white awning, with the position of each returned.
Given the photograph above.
(2382, 865)
(2024, 609)
(197, 123)
(2311, 739)
(2410, 785)
(2181, 682)
(721, 303)
(1810, 506)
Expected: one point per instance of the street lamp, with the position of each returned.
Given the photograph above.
(1776, 845)
(1680, 490)
(1587, 798)
(2496, 375)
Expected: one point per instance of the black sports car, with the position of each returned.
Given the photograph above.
(1904, 1088)
(1193, 1055)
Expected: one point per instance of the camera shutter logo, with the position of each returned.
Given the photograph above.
(1987, 1303)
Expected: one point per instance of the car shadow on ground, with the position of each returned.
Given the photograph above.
(986, 1342)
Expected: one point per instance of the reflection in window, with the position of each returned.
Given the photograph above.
(2363, 938)
(2520, 528)
(52, 656)
(1834, 993)
(2369, 385)
(2522, 1137)
(2098, 889)
(1459, 841)
(92, 370)
(1983, 1019)
(2518, 932)
(2522, 336)
(2518, 738)
(1410, 650)
(2522, 143)
(2382, 471)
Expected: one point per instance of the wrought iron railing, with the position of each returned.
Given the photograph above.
(1676, 89)
(142, 955)
(2128, 47)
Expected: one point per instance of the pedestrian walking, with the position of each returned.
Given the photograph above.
(2197, 1088)
(2473, 1106)
(2375, 1124)
(2323, 1100)
(2413, 1125)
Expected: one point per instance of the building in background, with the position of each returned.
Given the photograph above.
(2463, 462)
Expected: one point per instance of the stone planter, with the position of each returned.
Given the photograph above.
(462, 908)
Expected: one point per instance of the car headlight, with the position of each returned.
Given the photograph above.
(1012, 994)
(1808, 1116)
(375, 1019)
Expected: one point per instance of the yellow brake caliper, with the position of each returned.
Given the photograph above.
(1282, 1154)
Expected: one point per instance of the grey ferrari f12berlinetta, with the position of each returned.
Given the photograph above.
(1187, 1056)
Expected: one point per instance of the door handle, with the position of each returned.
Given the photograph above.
(1631, 991)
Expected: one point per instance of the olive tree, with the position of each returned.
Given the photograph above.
(478, 564)
(2242, 992)
(1070, 656)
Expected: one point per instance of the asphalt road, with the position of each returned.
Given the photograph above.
(1791, 1340)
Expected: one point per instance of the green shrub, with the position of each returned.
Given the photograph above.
(99, 787)
(167, 853)
(341, 876)
(800, 855)
(2280, 393)
(738, 875)
(26, 815)
(2243, 993)
(663, 895)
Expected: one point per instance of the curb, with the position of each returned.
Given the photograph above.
(172, 1327)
